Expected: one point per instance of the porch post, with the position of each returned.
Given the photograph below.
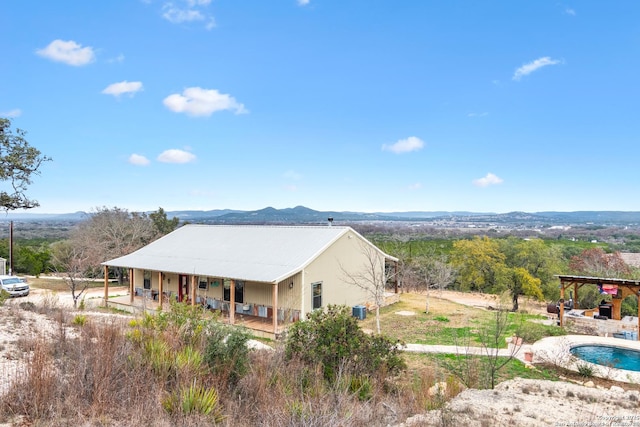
(159, 289)
(131, 291)
(275, 308)
(106, 286)
(232, 303)
(561, 314)
(575, 297)
(193, 290)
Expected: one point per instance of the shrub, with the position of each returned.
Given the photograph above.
(4, 295)
(27, 306)
(79, 320)
(226, 352)
(585, 371)
(531, 332)
(333, 340)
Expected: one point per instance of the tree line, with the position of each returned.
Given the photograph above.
(519, 266)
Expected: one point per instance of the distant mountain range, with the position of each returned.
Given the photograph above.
(304, 215)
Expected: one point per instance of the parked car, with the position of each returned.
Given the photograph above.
(15, 286)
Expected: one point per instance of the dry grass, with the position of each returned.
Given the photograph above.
(57, 284)
(447, 323)
(96, 374)
(443, 315)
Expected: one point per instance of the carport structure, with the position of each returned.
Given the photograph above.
(622, 287)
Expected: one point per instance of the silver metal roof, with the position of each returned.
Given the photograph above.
(243, 252)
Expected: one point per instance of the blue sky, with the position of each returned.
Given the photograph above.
(360, 105)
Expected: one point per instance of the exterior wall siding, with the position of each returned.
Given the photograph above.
(345, 254)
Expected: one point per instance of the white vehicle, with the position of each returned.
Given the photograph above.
(15, 286)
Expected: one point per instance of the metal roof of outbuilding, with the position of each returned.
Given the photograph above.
(243, 252)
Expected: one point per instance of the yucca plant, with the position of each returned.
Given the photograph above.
(158, 355)
(195, 399)
(80, 320)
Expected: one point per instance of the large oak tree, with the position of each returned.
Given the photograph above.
(19, 161)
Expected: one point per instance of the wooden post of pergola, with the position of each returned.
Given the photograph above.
(232, 303)
(106, 286)
(275, 308)
(561, 308)
(193, 290)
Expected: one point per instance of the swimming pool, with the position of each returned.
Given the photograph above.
(615, 357)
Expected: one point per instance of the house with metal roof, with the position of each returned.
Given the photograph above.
(264, 277)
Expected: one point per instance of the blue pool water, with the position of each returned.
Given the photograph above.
(615, 357)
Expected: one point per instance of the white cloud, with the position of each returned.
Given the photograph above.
(176, 156)
(570, 11)
(188, 11)
(404, 145)
(483, 114)
(138, 160)
(117, 59)
(117, 89)
(211, 24)
(292, 188)
(68, 52)
(16, 112)
(196, 101)
(292, 175)
(529, 68)
(177, 16)
(415, 186)
(303, 2)
(487, 180)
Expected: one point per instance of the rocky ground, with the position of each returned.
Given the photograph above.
(524, 403)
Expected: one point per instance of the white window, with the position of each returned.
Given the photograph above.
(316, 292)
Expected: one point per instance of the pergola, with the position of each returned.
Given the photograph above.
(624, 287)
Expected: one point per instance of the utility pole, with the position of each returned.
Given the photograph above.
(11, 248)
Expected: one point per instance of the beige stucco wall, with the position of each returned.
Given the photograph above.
(349, 253)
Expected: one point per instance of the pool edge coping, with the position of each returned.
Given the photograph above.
(556, 350)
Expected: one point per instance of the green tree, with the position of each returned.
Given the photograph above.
(19, 161)
(32, 260)
(480, 264)
(540, 260)
(162, 224)
(521, 282)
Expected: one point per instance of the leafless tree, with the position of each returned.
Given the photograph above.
(111, 233)
(72, 262)
(372, 276)
(491, 336)
(435, 273)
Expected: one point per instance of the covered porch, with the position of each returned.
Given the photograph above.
(265, 308)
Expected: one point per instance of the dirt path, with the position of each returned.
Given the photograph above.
(475, 299)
